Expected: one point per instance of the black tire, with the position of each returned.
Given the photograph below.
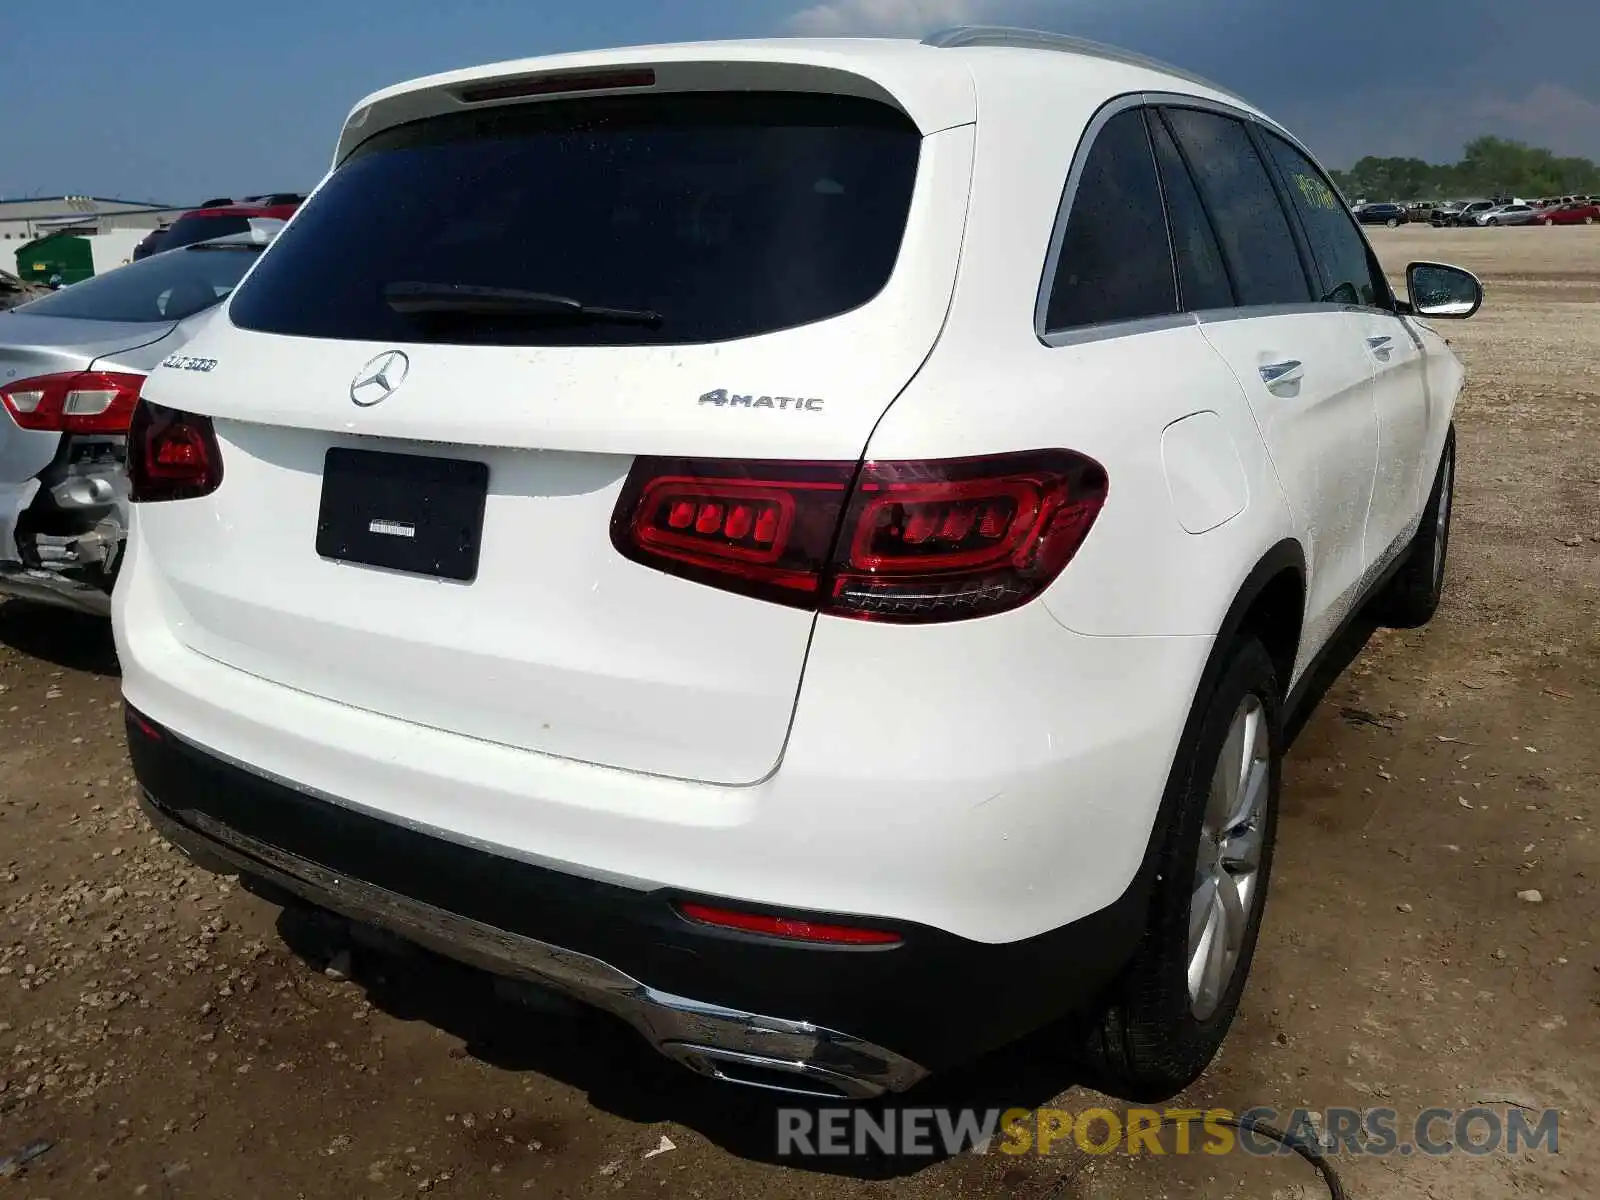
(1412, 597)
(1148, 1044)
(1392, 223)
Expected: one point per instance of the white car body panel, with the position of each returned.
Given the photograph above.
(1400, 395)
(1322, 437)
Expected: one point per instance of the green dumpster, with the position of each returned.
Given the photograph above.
(59, 254)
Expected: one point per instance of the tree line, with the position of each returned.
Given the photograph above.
(1490, 166)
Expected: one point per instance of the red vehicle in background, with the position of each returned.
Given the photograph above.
(219, 220)
(1582, 212)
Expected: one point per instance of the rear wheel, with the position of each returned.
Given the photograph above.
(1412, 596)
(1172, 1009)
(1588, 220)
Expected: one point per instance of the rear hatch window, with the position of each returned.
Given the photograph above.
(664, 220)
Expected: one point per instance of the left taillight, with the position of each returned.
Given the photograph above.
(74, 401)
(172, 455)
(903, 541)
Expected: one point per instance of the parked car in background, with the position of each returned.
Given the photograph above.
(151, 242)
(715, 611)
(1579, 212)
(1446, 213)
(1508, 214)
(1382, 214)
(1468, 212)
(71, 365)
(207, 224)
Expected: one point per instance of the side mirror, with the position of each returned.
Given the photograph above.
(1438, 290)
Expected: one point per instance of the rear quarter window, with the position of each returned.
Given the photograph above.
(728, 215)
(1115, 261)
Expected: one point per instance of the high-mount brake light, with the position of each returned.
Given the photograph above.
(934, 540)
(559, 84)
(73, 401)
(172, 455)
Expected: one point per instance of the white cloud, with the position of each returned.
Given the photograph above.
(899, 18)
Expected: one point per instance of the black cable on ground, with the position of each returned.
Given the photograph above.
(1309, 1151)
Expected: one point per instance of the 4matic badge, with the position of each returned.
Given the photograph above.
(723, 398)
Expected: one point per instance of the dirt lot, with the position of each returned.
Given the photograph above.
(173, 1036)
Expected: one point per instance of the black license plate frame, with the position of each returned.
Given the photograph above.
(412, 513)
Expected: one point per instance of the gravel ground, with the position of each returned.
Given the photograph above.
(170, 1035)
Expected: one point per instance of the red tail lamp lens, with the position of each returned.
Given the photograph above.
(928, 541)
(172, 455)
(908, 541)
(789, 928)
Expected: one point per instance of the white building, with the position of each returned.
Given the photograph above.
(25, 220)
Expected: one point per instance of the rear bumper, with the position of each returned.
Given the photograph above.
(850, 1021)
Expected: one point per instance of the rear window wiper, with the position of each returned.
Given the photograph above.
(414, 298)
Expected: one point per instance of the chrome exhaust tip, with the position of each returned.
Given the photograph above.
(791, 1077)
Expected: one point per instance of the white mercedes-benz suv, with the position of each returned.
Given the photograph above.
(805, 545)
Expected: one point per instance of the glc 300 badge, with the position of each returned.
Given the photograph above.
(723, 398)
(182, 362)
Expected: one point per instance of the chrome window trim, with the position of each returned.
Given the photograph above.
(1106, 331)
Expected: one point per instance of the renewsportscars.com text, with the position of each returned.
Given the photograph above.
(1353, 1132)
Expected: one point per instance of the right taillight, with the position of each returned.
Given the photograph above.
(965, 537)
(933, 540)
(172, 455)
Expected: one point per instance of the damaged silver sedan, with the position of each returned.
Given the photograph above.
(71, 365)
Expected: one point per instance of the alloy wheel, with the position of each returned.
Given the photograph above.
(1228, 865)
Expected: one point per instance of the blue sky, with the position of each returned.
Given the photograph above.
(181, 99)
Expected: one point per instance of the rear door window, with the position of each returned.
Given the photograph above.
(1250, 222)
(1202, 277)
(1115, 262)
(726, 215)
(1336, 244)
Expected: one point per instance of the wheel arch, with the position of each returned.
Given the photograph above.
(1270, 604)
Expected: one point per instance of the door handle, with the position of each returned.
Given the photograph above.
(1281, 374)
(1379, 345)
